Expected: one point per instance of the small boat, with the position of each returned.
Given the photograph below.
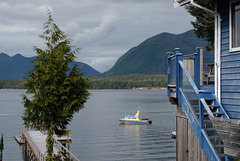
(134, 119)
(174, 134)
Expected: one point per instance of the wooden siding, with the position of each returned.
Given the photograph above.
(187, 144)
(230, 68)
(229, 131)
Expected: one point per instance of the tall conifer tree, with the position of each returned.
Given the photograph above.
(204, 23)
(57, 91)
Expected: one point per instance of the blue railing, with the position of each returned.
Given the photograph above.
(192, 98)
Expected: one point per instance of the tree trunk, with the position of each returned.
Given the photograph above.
(1, 156)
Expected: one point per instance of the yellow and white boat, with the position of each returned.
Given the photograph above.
(134, 119)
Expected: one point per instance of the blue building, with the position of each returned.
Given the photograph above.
(207, 91)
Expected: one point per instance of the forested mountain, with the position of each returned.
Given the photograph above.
(149, 57)
(18, 66)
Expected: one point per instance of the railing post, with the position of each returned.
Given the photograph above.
(178, 71)
(201, 117)
(198, 67)
(169, 54)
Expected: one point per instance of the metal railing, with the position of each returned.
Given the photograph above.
(34, 148)
(190, 94)
(198, 66)
(65, 154)
(59, 150)
(191, 97)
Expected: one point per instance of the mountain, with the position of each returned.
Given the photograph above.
(150, 57)
(18, 66)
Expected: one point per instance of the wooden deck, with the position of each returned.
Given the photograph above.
(35, 142)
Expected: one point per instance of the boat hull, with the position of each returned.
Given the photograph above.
(134, 121)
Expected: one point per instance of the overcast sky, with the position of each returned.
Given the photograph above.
(103, 29)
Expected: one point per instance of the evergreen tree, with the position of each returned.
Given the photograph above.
(57, 91)
(204, 23)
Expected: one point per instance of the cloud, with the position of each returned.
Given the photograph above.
(104, 29)
(101, 31)
(22, 11)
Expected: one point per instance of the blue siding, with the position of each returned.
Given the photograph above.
(230, 69)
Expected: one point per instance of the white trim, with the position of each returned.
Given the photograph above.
(177, 4)
(234, 49)
(217, 54)
(231, 49)
(201, 7)
(219, 57)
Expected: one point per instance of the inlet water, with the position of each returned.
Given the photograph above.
(97, 132)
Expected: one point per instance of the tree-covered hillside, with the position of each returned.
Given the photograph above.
(111, 82)
(17, 66)
(128, 81)
(150, 56)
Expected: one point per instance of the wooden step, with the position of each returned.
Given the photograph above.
(214, 138)
(214, 106)
(210, 129)
(209, 99)
(219, 146)
(218, 113)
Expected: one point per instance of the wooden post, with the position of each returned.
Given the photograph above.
(178, 71)
(198, 67)
(169, 54)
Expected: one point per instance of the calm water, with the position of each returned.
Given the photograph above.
(97, 134)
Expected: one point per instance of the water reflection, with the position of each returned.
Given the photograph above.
(133, 129)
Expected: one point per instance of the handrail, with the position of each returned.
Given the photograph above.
(190, 96)
(205, 142)
(61, 148)
(188, 77)
(206, 107)
(40, 155)
(36, 150)
(223, 110)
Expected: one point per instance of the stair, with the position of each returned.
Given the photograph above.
(213, 109)
(199, 106)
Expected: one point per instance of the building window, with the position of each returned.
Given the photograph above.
(235, 26)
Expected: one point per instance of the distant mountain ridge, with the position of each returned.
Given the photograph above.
(149, 57)
(17, 66)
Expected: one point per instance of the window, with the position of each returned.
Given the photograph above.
(235, 26)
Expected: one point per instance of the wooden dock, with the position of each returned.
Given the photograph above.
(35, 145)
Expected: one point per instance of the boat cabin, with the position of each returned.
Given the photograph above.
(207, 90)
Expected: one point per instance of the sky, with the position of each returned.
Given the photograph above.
(103, 29)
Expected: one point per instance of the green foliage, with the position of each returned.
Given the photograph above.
(62, 156)
(50, 142)
(58, 91)
(237, 158)
(128, 81)
(204, 23)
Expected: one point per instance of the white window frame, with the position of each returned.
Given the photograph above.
(232, 49)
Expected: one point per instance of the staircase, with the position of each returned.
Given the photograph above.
(199, 105)
(212, 108)
(203, 104)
